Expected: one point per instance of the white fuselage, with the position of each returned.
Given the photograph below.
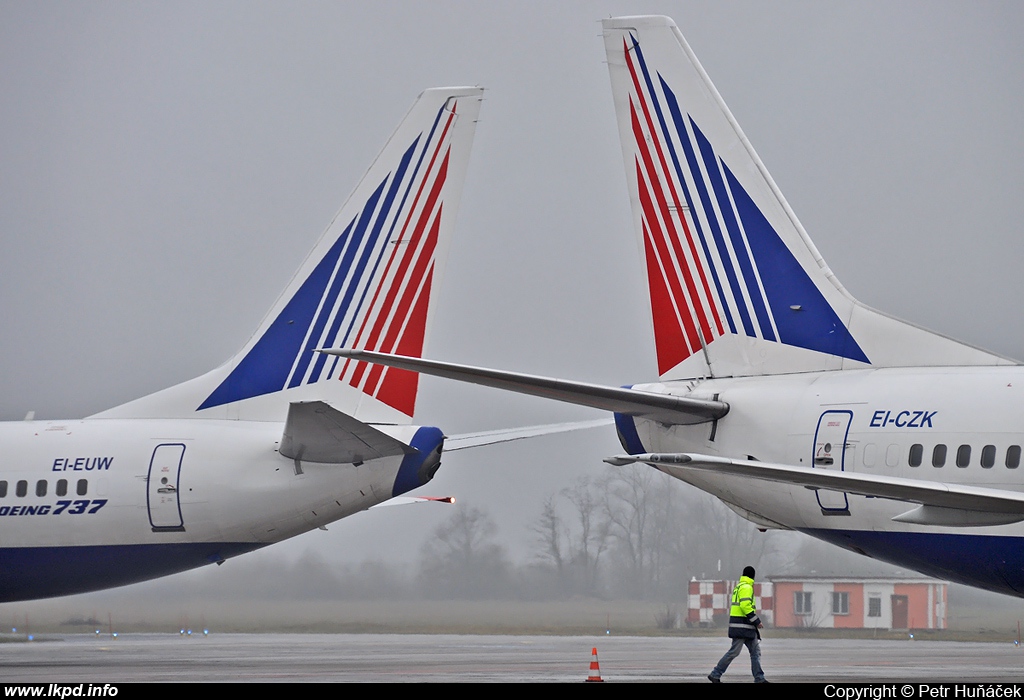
(92, 503)
(869, 422)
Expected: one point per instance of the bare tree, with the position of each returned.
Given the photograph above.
(570, 544)
(643, 533)
(719, 540)
(551, 536)
(666, 532)
(630, 507)
(463, 560)
(589, 540)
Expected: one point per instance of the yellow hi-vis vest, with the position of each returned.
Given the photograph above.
(743, 619)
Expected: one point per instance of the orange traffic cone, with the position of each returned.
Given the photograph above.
(595, 668)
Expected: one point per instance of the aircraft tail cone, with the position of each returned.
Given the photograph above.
(595, 668)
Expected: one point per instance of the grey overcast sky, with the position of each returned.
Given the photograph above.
(165, 166)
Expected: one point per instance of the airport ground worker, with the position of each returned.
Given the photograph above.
(743, 629)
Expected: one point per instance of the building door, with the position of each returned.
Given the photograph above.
(900, 605)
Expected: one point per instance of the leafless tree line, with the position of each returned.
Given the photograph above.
(638, 533)
(632, 533)
(629, 533)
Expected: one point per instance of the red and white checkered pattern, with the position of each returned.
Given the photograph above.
(710, 598)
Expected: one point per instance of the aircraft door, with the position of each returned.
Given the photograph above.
(830, 448)
(162, 488)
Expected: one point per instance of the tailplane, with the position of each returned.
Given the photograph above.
(368, 283)
(736, 285)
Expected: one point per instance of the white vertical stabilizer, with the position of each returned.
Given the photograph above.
(368, 284)
(737, 288)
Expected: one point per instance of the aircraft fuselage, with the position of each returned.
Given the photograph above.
(954, 425)
(89, 504)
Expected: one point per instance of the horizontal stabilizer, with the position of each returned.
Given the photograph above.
(410, 500)
(493, 437)
(943, 503)
(672, 410)
(315, 432)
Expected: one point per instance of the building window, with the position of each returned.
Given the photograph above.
(874, 607)
(840, 603)
(802, 602)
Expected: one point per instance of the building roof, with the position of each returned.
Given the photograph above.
(794, 578)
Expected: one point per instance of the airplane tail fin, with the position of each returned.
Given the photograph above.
(736, 286)
(368, 283)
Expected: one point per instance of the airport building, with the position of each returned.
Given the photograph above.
(829, 603)
(860, 603)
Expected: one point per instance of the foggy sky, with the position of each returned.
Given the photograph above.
(165, 167)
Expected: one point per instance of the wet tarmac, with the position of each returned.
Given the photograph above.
(466, 658)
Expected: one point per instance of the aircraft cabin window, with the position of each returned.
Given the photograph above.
(41, 487)
(939, 456)
(62, 487)
(3, 489)
(83, 486)
(869, 455)
(21, 489)
(988, 456)
(916, 453)
(892, 456)
(963, 456)
(1013, 457)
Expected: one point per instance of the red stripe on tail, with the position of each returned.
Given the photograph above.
(360, 367)
(399, 386)
(392, 335)
(708, 335)
(686, 312)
